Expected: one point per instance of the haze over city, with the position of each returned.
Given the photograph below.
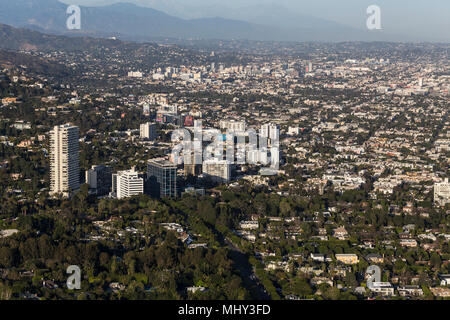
(416, 19)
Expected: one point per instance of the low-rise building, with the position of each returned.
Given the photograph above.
(382, 288)
(318, 257)
(410, 291)
(349, 258)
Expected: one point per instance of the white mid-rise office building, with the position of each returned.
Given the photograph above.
(232, 126)
(218, 170)
(167, 109)
(148, 131)
(258, 156)
(127, 184)
(64, 160)
(442, 193)
(293, 130)
(271, 131)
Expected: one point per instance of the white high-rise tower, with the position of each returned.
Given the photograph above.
(148, 131)
(64, 160)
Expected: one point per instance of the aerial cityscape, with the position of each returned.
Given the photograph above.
(220, 168)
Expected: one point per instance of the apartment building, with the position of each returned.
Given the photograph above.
(64, 160)
(148, 131)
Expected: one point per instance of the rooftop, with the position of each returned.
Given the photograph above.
(162, 163)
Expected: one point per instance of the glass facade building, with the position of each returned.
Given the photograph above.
(162, 178)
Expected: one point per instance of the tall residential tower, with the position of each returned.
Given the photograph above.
(64, 160)
(148, 131)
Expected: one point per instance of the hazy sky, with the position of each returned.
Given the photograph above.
(429, 19)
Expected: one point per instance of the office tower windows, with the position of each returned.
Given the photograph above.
(162, 178)
(99, 179)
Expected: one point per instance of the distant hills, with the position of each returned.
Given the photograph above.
(130, 22)
(9, 59)
(29, 40)
(133, 54)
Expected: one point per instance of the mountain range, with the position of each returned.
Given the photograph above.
(131, 22)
